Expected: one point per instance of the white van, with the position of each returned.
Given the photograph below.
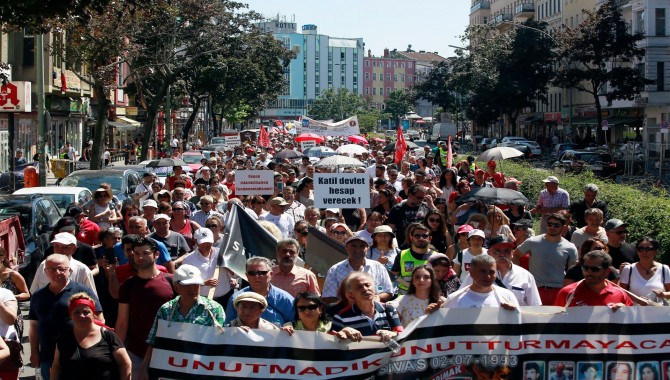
(442, 130)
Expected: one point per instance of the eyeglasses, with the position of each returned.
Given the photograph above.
(554, 225)
(212, 225)
(646, 249)
(587, 268)
(421, 236)
(311, 307)
(433, 220)
(205, 203)
(303, 232)
(621, 232)
(257, 273)
(177, 209)
(339, 233)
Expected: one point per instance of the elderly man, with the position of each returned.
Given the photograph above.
(250, 306)
(293, 208)
(550, 256)
(551, 200)
(594, 290)
(357, 250)
(140, 297)
(288, 276)
(206, 210)
(621, 252)
(578, 208)
(418, 253)
(593, 229)
(414, 209)
(179, 195)
(137, 225)
(511, 276)
(49, 315)
(365, 316)
(174, 241)
(278, 216)
(64, 243)
(279, 303)
(188, 307)
(482, 292)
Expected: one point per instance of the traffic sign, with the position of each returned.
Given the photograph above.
(605, 125)
(664, 127)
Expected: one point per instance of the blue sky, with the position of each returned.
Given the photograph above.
(430, 25)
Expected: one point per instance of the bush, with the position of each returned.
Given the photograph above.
(644, 207)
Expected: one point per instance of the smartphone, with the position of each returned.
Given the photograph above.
(280, 186)
(110, 257)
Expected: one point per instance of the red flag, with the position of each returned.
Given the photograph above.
(450, 158)
(63, 83)
(264, 137)
(400, 146)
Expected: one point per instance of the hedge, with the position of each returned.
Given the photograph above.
(644, 207)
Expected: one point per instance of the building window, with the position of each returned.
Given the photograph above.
(660, 76)
(381, 91)
(402, 77)
(409, 65)
(639, 22)
(374, 91)
(367, 91)
(395, 64)
(367, 63)
(402, 64)
(388, 64)
(395, 77)
(374, 76)
(367, 76)
(388, 77)
(388, 91)
(660, 22)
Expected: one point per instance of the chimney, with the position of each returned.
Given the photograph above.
(386, 53)
(369, 53)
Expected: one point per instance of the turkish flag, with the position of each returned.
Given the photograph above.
(400, 146)
(264, 137)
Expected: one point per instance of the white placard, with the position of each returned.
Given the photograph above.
(254, 182)
(233, 140)
(346, 127)
(307, 144)
(341, 190)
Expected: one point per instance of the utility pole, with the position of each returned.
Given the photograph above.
(41, 123)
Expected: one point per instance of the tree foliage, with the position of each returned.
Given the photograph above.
(436, 87)
(399, 103)
(336, 105)
(599, 56)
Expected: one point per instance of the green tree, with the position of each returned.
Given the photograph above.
(599, 57)
(334, 104)
(435, 87)
(399, 103)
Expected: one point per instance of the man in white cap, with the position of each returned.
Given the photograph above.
(250, 306)
(205, 257)
(188, 307)
(476, 239)
(65, 243)
(174, 241)
(277, 215)
(149, 208)
(551, 200)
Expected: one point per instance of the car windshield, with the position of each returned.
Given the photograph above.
(192, 158)
(24, 210)
(61, 200)
(218, 140)
(93, 183)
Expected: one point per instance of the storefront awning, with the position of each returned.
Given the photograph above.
(584, 121)
(124, 123)
(613, 121)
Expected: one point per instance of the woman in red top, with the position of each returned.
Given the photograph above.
(180, 224)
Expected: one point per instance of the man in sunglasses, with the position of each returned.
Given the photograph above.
(418, 253)
(594, 290)
(550, 256)
(280, 303)
(622, 253)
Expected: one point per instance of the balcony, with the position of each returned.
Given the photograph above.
(523, 12)
(480, 5)
(619, 3)
(501, 20)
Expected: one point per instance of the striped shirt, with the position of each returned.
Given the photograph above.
(338, 272)
(385, 318)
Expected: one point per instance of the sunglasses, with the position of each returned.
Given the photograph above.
(257, 273)
(177, 209)
(554, 225)
(646, 249)
(212, 225)
(339, 233)
(311, 307)
(432, 220)
(205, 203)
(421, 236)
(587, 268)
(303, 232)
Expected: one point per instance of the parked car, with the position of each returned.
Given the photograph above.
(122, 179)
(38, 214)
(192, 158)
(61, 195)
(487, 143)
(576, 161)
(510, 140)
(535, 149)
(560, 148)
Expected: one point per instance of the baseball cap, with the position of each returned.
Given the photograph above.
(551, 179)
(150, 203)
(491, 164)
(251, 297)
(65, 238)
(614, 223)
(476, 232)
(162, 216)
(203, 235)
(74, 210)
(278, 201)
(333, 210)
(355, 237)
(464, 229)
(500, 240)
(187, 275)
(66, 223)
(480, 171)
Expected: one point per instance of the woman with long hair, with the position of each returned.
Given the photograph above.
(309, 310)
(440, 238)
(385, 203)
(647, 277)
(181, 224)
(448, 182)
(498, 224)
(305, 191)
(88, 350)
(11, 279)
(462, 188)
(102, 211)
(424, 290)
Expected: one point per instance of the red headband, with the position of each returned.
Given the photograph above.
(81, 301)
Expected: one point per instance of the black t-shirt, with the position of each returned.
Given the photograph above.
(96, 362)
(402, 215)
(624, 254)
(175, 242)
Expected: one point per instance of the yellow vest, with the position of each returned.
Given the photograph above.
(407, 265)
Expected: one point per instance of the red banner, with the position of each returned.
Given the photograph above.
(400, 146)
(264, 138)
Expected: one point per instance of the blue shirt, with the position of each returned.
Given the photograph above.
(279, 311)
(163, 254)
(51, 312)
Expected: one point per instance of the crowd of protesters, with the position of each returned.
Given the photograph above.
(116, 269)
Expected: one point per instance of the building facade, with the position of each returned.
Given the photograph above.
(381, 75)
(424, 64)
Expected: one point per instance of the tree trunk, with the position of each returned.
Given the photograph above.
(100, 126)
(154, 106)
(191, 118)
(600, 134)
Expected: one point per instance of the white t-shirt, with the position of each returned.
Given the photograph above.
(284, 222)
(7, 331)
(468, 298)
(106, 155)
(641, 287)
(467, 259)
(71, 153)
(207, 266)
(174, 143)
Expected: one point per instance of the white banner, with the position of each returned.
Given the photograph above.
(233, 140)
(345, 127)
(307, 144)
(469, 343)
(254, 182)
(341, 190)
(15, 97)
